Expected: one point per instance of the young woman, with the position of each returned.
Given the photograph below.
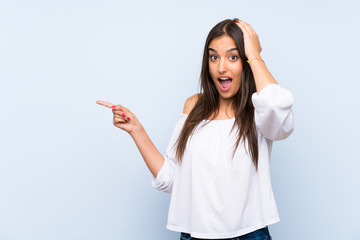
(217, 164)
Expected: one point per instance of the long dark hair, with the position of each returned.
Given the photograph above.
(208, 100)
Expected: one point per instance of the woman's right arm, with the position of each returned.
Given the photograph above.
(162, 168)
(152, 157)
(127, 121)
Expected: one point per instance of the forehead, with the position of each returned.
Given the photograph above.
(222, 43)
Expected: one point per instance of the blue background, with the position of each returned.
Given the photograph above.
(67, 173)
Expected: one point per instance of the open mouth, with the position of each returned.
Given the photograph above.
(225, 83)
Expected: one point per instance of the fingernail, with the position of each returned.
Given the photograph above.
(128, 118)
(123, 114)
(113, 107)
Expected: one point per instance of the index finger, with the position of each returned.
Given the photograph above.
(106, 104)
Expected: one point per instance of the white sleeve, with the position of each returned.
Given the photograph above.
(165, 177)
(273, 113)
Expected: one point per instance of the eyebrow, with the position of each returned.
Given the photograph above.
(231, 49)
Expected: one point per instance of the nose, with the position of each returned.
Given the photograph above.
(222, 66)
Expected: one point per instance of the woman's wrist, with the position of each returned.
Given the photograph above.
(253, 55)
(255, 59)
(136, 131)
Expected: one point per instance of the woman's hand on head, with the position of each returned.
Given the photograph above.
(251, 40)
(123, 117)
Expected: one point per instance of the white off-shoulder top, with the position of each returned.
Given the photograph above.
(213, 195)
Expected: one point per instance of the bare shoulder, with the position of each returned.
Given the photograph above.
(190, 103)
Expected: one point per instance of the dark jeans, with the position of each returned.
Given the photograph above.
(260, 234)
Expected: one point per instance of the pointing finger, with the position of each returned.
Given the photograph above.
(106, 104)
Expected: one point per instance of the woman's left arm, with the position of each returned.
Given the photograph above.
(262, 76)
(272, 103)
(273, 114)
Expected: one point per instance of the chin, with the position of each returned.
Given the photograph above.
(227, 95)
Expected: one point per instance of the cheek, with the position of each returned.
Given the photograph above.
(237, 69)
(211, 70)
(240, 74)
(213, 80)
(211, 75)
(239, 79)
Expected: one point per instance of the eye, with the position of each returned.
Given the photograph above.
(233, 57)
(213, 57)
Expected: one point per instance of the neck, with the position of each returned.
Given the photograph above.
(225, 108)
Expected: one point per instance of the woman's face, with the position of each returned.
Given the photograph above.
(225, 66)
